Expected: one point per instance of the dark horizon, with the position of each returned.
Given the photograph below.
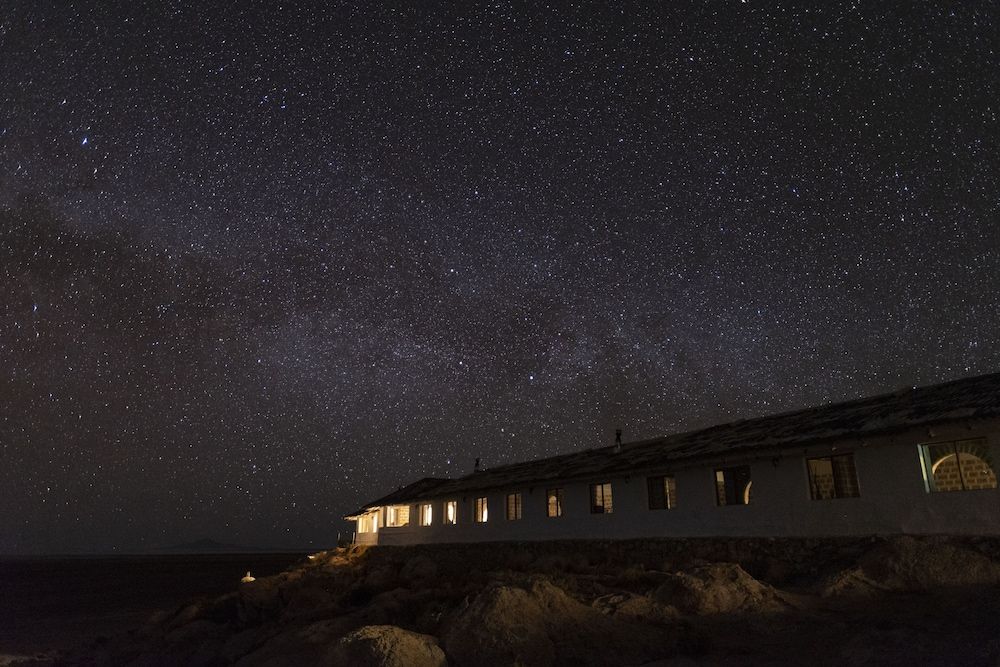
(158, 554)
(209, 546)
(259, 266)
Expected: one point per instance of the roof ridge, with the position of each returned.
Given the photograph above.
(974, 397)
(906, 390)
(744, 420)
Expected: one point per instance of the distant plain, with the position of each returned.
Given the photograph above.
(49, 603)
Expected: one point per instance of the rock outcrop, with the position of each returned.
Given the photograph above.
(387, 646)
(592, 603)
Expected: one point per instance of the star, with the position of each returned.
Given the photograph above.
(665, 218)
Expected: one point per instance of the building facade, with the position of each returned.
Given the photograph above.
(919, 462)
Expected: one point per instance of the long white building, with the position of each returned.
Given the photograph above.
(919, 461)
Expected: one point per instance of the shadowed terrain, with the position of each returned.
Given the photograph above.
(713, 601)
(55, 603)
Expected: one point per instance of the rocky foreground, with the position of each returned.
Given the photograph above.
(637, 602)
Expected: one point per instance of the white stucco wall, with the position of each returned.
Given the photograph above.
(893, 500)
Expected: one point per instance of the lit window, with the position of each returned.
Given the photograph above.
(732, 486)
(482, 511)
(367, 523)
(662, 492)
(397, 515)
(513, 506)
(600, 498)
(451, 512)
(554, 502)
(961, 465)
(426, 514)
(833, 477)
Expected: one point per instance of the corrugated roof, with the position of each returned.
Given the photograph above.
(965, 399)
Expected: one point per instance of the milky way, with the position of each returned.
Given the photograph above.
(261, 264)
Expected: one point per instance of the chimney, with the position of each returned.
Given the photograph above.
(618, 441)
(476, 469)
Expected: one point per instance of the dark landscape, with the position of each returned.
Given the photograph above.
(57, 602)
(277, 273)
(852, 601)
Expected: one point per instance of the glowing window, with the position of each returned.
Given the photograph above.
(554, 502)
(833, 477)
(960, 465)
(368, 523)
(600, 498)
(426, 514)
(482, 511)
(662, 492)
(397, 515)
(451, 512)
(513, 506)
(732, 486)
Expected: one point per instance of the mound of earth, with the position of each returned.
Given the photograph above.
(387, 646)
(627, 602)
(908, 564)
(719, 588)
(537, 623)
(636, 607)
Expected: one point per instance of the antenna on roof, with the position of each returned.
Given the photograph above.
(477, 466)
(618, 440)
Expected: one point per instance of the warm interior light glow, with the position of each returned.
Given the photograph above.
(397, 515)
(426, 514)
(482, 512)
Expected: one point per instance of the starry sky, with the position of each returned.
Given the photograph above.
(260, 263)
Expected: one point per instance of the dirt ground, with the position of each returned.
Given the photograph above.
(871, 601)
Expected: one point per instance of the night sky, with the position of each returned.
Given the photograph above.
(261, 264)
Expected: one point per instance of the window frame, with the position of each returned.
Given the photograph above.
(927, 464)
(367, 524)
(607, 498)
(839, 487)
(425, 514)
(453, 506)
(666, 486)
(513, 512)
(742, 492)
(557, 494)
(481, 511)
(392, 516)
